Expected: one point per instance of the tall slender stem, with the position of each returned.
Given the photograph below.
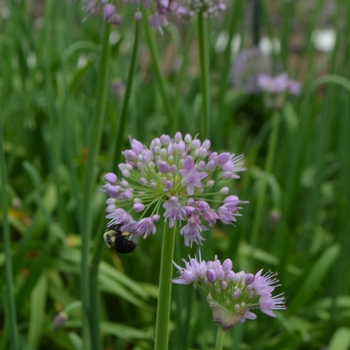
(219, 345)
(8, 290)
(256, 21)
(161, 82)
(263, 184)
(204, 75)
(125, 107)
(94, 291)
(95, 140)
(166, 271)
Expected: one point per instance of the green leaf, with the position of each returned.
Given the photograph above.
(108, 285)
(37, 312)
(125, 332)
(314, 277)
(340, 339)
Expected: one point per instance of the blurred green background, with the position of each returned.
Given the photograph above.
(49, 64)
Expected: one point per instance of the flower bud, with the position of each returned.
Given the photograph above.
(188, 138)
(165, 140)
(211, 275)
(206, 144)
(138, 207)
(195, 144)
(224, 190)
(138, 16)
(111, 178)
(59, 321)
(115, 19)
(223, 284)
(248, 279)
(163, 167)
(223, 158)
(136, 146)
(227, 265)
(108, 11)
(178, 137)
(143, 181)
(226, 175)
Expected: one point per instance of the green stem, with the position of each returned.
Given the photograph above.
(180, 76)
(224, 114)
(10, 305)
(166, 271)
(204, 76)
(123, 115)
(256, 21)
(268, 167)
(161, 82)
(219, 339)
(94, 299)
(95, 140)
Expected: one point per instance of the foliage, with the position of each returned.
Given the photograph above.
(49, 73)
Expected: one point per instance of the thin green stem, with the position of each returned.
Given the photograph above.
(263, 183)
(204, 76)
(224, 114)
(219, 339)
(166, 271)
(95, 261)
(125, 107)
(161, 82)
(182, 71)
(256, 21)
(8, 290)
(55, 120)
(95, 140)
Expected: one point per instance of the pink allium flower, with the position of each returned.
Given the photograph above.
(232, 295)
(177, 174)
(279, 84)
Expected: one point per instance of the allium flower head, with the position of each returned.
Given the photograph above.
(232, 295)
(208, 8)
(279, 84)
(181, 8)
(177, 174)
(247, 66)
(108, 10)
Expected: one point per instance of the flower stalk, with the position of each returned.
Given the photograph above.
(204, 74)
(161, 82)
(125, 107)
(275, 121)
(219, 345)
(10, 305)
(92, 339)
(164, 300)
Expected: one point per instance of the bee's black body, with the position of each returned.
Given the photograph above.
(116, 239)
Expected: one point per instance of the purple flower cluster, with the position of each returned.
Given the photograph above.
(93, 8)
(208, 8)
(247, 66)
(181, 8)
(179, 175)
(232, 295)
(59, 321)
(279, 84)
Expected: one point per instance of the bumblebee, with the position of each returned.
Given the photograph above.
(117, 240)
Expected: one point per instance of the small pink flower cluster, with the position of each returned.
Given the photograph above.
(181, 8)
(232, 295)
(279, 84)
